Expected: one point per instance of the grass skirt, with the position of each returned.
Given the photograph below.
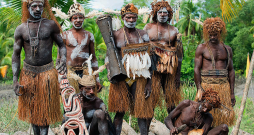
(172, 94)
(220, 85)
(120, 99)
(39, 103)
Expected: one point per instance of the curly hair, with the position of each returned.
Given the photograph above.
(214, 26)
(47, 13)
(212, 97)
(157, 6)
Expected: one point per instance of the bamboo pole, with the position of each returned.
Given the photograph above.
(245, 93)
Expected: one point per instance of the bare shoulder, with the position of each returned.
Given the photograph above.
(201, 47)
(172, 28)
(185, 103)
(148, 26)
(144, 35)
(20, 29)
(229, 48)
(117, 33)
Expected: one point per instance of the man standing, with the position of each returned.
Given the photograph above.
(167, 45)
(79, 45)
(38, 87)
(132, 90)
(214, 69)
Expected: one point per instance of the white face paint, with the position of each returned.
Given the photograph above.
(130, 24)
(164, 18)
(73, 24)
(32, 12)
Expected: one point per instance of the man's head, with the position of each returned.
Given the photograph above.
(35, 9)
(162, 12)
(214, 30)
(87, 86)
(129, 15)
(210, 99)
(76, 15)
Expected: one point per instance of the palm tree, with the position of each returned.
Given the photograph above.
(230, 8)
(188, 12)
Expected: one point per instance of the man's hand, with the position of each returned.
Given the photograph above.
(148, 90)
(17, 88)
(99, 87)
(233, 100)
(173, 131)
(61, 66)
(199, 95)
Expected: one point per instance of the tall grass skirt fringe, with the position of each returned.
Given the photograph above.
(39, 103)
(222, 86)
(172, 94)
(120, 99)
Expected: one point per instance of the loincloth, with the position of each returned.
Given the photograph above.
(222, 86)
(39, 103)
(80, 71)
(172, 95)
(120, 99)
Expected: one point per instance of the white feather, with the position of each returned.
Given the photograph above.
(93, 13)
(110, 11)
(128, 65)
(101, 68)
(124, 58)
(89, 64)
(59, 13)
(24, 0)
(73, 76)
(75, 1)
(144, 10)
(116, 23)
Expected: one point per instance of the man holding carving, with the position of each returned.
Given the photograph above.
(167, 57)
(134, 92)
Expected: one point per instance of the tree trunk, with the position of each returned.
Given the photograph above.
(245, 94)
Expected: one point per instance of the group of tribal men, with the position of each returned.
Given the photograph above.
(38, 86)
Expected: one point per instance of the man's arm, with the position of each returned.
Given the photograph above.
(17, 47)
(179, 46)
(208, 122)
(231, 73)
(197, 68)
(176, 112)
(62, 49)
(94, 61)
(63, 35)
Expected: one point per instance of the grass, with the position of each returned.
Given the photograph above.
(9, 108)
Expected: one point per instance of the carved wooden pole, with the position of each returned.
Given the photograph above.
(245, 94)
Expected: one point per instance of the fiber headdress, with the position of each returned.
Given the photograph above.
(47, 13)
(88, 80)
(30, 1)
(156, 6)
(212, 97)
(129, 8)
(214, 26)
(75, 8)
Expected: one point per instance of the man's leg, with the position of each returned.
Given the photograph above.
(142, 124)
(118, 121)
(40, 130)
(99, 124)
(220, 130)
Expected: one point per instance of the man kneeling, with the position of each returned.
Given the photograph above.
(196, 116)
(93, 108)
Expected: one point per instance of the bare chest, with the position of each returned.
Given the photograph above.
(163, 35)
(34, 31)
(123, 39)
(218, 54)
(74, 40)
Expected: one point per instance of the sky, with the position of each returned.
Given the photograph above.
(111, 4)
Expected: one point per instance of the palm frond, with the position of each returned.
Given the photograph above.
(230, 8)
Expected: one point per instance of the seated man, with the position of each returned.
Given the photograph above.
(196, 116)
(93, 109)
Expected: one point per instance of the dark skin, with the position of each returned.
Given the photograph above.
(84, 39)
(93, 110)
(120, 41)
(203, 61)
(186, 113)
(162, 32)
(49, 32)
